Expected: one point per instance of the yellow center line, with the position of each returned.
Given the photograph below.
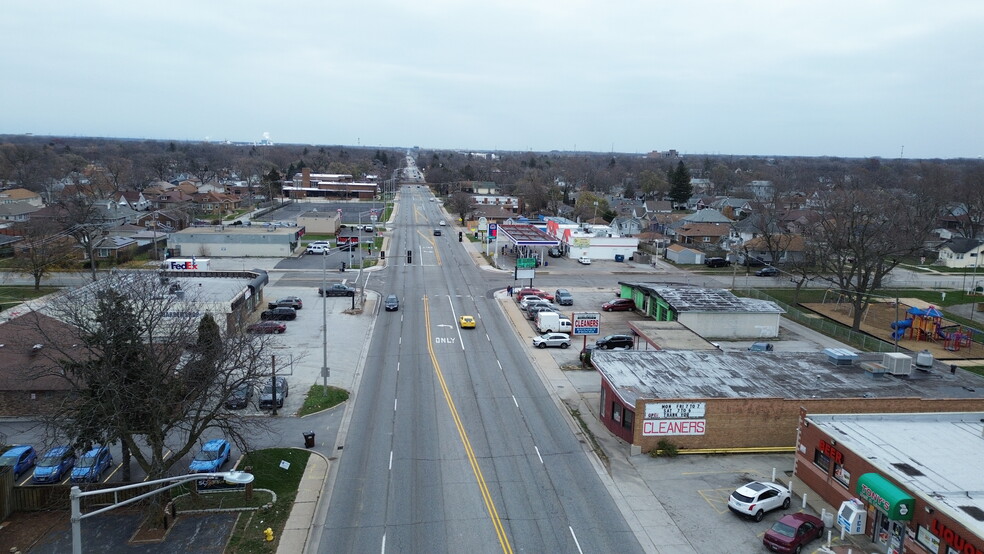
(486, 495)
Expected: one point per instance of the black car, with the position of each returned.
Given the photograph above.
(437, 232)
(289, 301)
(768, 271)
(240, 396)
(392, 303)
(267, 396)
(554, 252)
(753, 262)
(615, 341)
(716, 262)
(337, 289)
(279, 313)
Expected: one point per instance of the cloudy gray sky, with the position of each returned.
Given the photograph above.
(789, 77)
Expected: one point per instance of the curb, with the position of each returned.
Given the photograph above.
(294, 536)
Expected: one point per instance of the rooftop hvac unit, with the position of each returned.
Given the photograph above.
(897, 363)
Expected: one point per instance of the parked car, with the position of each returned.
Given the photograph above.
(792, 531)
(337, 289)
(756, 498)
(561, 340)
(213, 455)
(751, 261)
(466, 322)
(760, 347)
(768, 271)
(266, 327)
(368, 229)
(584, 260)
(19, 458)
(279, 313)
(554, 252)
(91, 466)
(549, 321)
(392, 303)
(240, 396)
(53, 465)
(615, 341)
(267, 395)
(531, 300)
(523, 293)
(564, 297)
(289, 301)
(618, 305)
(716, 262)
(535, 309)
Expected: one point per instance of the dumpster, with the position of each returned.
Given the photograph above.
(619, 257)
(309, 439)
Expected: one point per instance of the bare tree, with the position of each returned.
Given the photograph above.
(863, 234)
(43, 248)
(461, 204)
(151, 371)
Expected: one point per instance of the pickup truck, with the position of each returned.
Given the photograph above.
(337, 289)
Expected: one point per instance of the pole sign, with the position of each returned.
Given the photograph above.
(587, 323)
(526, 263)
(493, 229)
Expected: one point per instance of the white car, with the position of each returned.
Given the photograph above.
(531, 300)
(316, 249)
(442, 223)
(584, 260)
(552, 339)
(757, 498)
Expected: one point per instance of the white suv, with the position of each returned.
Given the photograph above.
(756, 498)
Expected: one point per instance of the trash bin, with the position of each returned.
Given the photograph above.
(619, 257)
(309, 439)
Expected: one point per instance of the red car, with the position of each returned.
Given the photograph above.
(790, 533)
(523, 293)
(618, 305)
(266, 327)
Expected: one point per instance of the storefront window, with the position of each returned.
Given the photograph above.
(928, 540)
(627, 419)
(822, 461)
(842, 475)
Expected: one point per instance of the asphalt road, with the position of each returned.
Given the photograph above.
(454, 444)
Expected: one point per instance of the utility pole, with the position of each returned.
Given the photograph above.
(324, 319)
(273, 384)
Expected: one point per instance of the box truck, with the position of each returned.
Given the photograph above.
(552, 322)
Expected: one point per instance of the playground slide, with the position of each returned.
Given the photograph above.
(900, 327)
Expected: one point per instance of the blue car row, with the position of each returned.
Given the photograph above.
(57, 462)
(60, 460)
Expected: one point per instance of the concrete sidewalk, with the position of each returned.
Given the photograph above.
(294, 537)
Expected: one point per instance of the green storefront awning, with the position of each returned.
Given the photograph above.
(880, 492)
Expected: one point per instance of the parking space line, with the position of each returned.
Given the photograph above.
(717, 498)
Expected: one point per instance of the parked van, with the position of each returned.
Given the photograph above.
(552, 322)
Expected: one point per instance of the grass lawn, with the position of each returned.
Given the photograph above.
(13, 295)
(247, 537)
(317, 400)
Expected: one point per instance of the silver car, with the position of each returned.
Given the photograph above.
(561, 340)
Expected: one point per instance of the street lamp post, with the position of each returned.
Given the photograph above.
(231, 477)
(324, 318)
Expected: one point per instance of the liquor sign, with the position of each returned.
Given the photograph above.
(586, 323)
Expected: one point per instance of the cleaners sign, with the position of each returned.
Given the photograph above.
(587, 323)
(672, 427)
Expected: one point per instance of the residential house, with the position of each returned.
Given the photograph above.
(761, 189)
(20, 196)
(789, 248)
(734, 208)
(16, 212)
(115, 248)
(680, 254)
(703, 234)
(34, 347)
(216, 203)
(132, 199)
(657, 207)
(960, 252)
(172, 199)
(628, 226)
(165, 221)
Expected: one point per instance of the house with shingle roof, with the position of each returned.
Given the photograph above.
(960, 252)
(21, 196)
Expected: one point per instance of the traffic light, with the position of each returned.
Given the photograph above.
(409, 256)
(459, 236)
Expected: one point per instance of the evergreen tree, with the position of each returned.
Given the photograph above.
(680, 188)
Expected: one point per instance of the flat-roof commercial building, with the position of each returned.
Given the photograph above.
(709, 399)
(236, 241)
(915, 479)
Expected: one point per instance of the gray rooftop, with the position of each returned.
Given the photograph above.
(715, 374)
(945, 449)
(697, 299)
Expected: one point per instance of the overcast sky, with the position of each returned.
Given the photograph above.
(792, 77)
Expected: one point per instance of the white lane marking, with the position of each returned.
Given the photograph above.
(394, 403)
(500, 364)
(514, 401)
(397, 367)
(391, 460)
(383, 548)
(576, 543)
(538, 454)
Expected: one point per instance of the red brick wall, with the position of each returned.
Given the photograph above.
(772, 422)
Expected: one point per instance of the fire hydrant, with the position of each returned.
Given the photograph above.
(268, 534)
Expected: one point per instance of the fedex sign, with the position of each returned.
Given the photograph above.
(186, 264)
